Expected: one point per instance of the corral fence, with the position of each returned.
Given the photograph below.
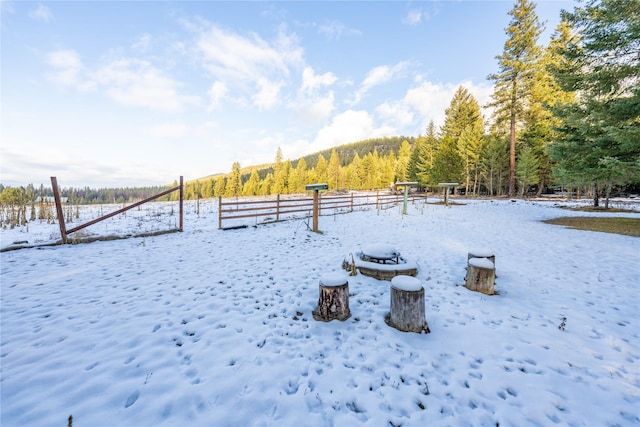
(63, 228)
(293, 207)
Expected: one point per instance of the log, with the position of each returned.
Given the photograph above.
(481, 276)
(407, 312)
(333, 301)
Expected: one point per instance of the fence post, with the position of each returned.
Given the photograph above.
(377, 193)
(219, 212)
(56, 197)
(351, 202)
(278, 207)
(316, 208)
(181, 202)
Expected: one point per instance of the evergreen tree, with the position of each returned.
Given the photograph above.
(320, 171)
(599, 134)
(234, 183)
(333, 172)
(279, 174)
(427, 155)
(494, 164)
(252, 186)
(301, 176)
(517, 67)
(220, 187)
(402, 164)
(527, 170)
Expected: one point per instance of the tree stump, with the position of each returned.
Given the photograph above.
(333, 302)
(481, 276)
(407, 305)
(480, 253)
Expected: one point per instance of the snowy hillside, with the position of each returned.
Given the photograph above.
(214, 328)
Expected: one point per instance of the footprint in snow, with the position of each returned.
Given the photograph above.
(132, 399)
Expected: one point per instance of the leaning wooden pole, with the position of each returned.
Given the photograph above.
(181, 202)
(56, 197)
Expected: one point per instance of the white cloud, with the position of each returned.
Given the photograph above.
(216, 93)
(314, 109)
(268, 94)
(347, 127)
(334, 30)
(66, 65)
(395, 115)
(142, 44)
(377, 76)
(41, 13)
(137, 83)
(170, 131)
(314, 101)
(430, 100)
(249, 64)
(415, 17)
(312, 81)
(232, 56)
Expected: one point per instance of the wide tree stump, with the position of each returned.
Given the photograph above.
(333, 302)
(481, 276)
(407, 305)
(480, 253)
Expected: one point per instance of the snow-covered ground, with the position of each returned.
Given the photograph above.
(214, 328)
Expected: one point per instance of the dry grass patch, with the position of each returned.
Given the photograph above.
(625, 226)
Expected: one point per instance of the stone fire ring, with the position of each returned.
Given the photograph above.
(381, 261)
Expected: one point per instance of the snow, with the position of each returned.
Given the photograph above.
(214, 328)
(480, 253)
(406, 283)
(481, 263)
(381, 251)
(334, 279)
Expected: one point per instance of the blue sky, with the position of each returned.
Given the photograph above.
(132, 93)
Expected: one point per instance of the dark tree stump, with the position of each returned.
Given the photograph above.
(481, 276)
(407, 305)
(333, 302)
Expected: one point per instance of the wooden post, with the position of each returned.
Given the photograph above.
(333, 302)
(219, 212)
(316, 196)
(56, 197)
(278, 207)
(351, 202)
(407, 305)
(481, 276)
(181, 202)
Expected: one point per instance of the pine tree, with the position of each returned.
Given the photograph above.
(279, 175)
(402, 164)
(426, 156)
(234, 183)
(301, 173)
(252, 186)
(320, 171)
(599, 134)
(527, 170)
(517, 67)
(494, 164)
(219, 189)
(333, 172)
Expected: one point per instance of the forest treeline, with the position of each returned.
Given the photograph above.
(564, 115)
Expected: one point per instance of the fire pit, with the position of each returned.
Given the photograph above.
(381, 261)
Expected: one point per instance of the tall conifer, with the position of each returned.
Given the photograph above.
(517, 66)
